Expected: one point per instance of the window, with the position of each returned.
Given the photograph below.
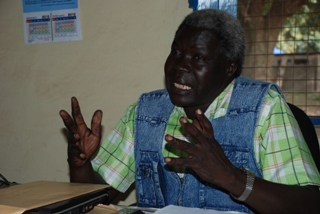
(283, 46)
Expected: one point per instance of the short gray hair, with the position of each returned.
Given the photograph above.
(226, 28)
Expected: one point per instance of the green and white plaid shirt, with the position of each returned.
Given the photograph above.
(280, 149)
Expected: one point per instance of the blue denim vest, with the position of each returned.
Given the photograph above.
(157, 186)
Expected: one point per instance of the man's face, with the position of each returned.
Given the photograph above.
(195, 71)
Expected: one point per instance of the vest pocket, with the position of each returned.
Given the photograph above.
(237, 155)
(147, 181)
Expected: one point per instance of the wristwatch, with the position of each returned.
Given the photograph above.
(249, 185)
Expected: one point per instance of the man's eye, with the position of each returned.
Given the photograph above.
(198, 57)
(174, 52)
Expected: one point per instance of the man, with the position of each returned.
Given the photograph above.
(213, 139)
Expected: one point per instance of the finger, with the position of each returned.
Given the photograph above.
(75, 151)
(203, 123)
(192, 130)
(96, 123)
(187, 162)
(76, 137)
(180, 144)
(76, 112)
(68, 121)
(73, 138)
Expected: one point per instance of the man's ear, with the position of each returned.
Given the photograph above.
(232, 69)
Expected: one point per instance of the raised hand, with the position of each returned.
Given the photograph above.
(82, 141)
(206, 156)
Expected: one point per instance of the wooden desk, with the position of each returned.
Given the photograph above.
(102, 209)
(22, 197)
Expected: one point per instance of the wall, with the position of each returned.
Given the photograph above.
(121, 55)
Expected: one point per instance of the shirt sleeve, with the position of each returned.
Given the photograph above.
(115, 158)
(281, 151)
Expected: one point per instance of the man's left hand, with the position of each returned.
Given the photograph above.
(206, 156)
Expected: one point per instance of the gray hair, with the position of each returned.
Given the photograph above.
(226, 28)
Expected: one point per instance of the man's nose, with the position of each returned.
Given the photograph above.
(183, 64)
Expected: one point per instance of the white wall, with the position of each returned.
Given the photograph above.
(121, 55)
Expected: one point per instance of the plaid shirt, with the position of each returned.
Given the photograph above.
(280, 149)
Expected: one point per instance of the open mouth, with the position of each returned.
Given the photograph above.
(183, 87)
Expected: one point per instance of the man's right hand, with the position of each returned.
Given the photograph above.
(82, 141)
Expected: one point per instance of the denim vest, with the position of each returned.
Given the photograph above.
(157, 186)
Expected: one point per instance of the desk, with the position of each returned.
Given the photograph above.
(29, 196)
(102, 210)
(22, 197)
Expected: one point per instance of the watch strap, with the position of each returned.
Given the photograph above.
(249, 185)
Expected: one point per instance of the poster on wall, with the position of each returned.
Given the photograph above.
(229, 6)
(51, 21)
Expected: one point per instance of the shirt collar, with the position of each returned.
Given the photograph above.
(218, 107)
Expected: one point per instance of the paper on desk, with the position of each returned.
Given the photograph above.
(171, 209)
(22, 197)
